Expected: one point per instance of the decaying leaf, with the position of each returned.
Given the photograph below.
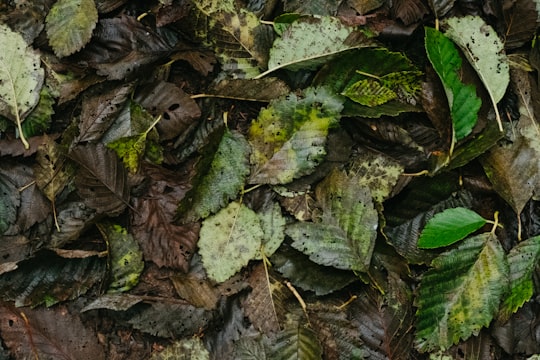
(10, 200)
(296, 341)
(187, 349)
(70, 24)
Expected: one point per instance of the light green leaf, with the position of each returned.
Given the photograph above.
(288, 138)
(523, 259)
(21, 78)
(10, 200)
(223, 181)
(461, 293)
(449, 226)
(485, 52)
(369, 92)
(70, 24)
(229, 240)
(185, 349)
(345, 236)
(273, 225)
(125, 257)
(310, 42)
(464, 104)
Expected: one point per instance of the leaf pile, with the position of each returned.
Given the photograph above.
(269, 179)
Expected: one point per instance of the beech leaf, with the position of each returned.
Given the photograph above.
(464, 104)
(70, 24)
(21, 78)
(229, 240)
(449, 226)
(461, 293)
(485, 52)
(294, 144)
(10, 200)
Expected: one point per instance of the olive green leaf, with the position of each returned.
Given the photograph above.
(70, 24)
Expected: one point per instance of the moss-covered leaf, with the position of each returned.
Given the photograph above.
(70, 24)
(229, 240)
(449, 226)
(289, 137)
(461, 293)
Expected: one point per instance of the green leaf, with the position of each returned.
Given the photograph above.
(125, 257)
(369, 92)
(310, 42)
(523, 259)
(464, 104)
(10, 200)
(461, 293)
(296, 341)
(185, 349)
(449, 226)
(273, 226)
(229, 240)
(70, 24)
(39, 120)
(288, 138)
(21, 78)
(345, 236)
(485, 52)
(223, 181)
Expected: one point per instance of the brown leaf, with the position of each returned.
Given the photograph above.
(51, 177)
(14, 147)
(53, 333)
(202, 61)
(100, 107)
(199, 292)
(521, 22)
(12, 250)
(163, 242)
(409, 11)
(102, 179)
(178, 110)
(265, 89)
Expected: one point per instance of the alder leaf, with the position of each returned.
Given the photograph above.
(222, 182)
(522, 259)
(311, 41)
(70, 24)
(485, 52)
(449, 226)
(229, 240)
(125, 257)
(345, 235)
(273, 225)
(101, 180)
(461, 293)
(289, 137)
(464, 104)
(21, 78)
(10, 201)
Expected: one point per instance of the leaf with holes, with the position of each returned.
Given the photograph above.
(21, 78)
(229, 240)
(461, 293)
(102, 179)
(70, 24)
(344, 236)
(289, 137)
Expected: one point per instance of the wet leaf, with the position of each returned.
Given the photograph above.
(21, 78)
(345, 236)
(449, 226)
(290, 149)
(523, 258)
(461, 293)
(70, 24)
(485, 52)
(222, 182)
(125, 257)
(521, 20)
(310, 41)
(464, 104)
(49, 279)
(229, 240)
(10, 200)
(101, 180)
(48, 334)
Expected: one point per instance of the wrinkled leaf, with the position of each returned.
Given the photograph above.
(101, 180)
(345, 236)
(50, 175)
(48, 334)
(116, 302)
(73, 219)
(222, 182)
(464, 104)
(485, 52)
(449, 226)
(186, 349)
(295, 143)
(461, 293)
(522, 259)
(125, 258)
(39, 120)
(21, 78)
(10, 200)
(198, 291)
(229, 240)
(70, 24)
(266, 89)
(310, 42)
(273, 226)
(296, 341)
